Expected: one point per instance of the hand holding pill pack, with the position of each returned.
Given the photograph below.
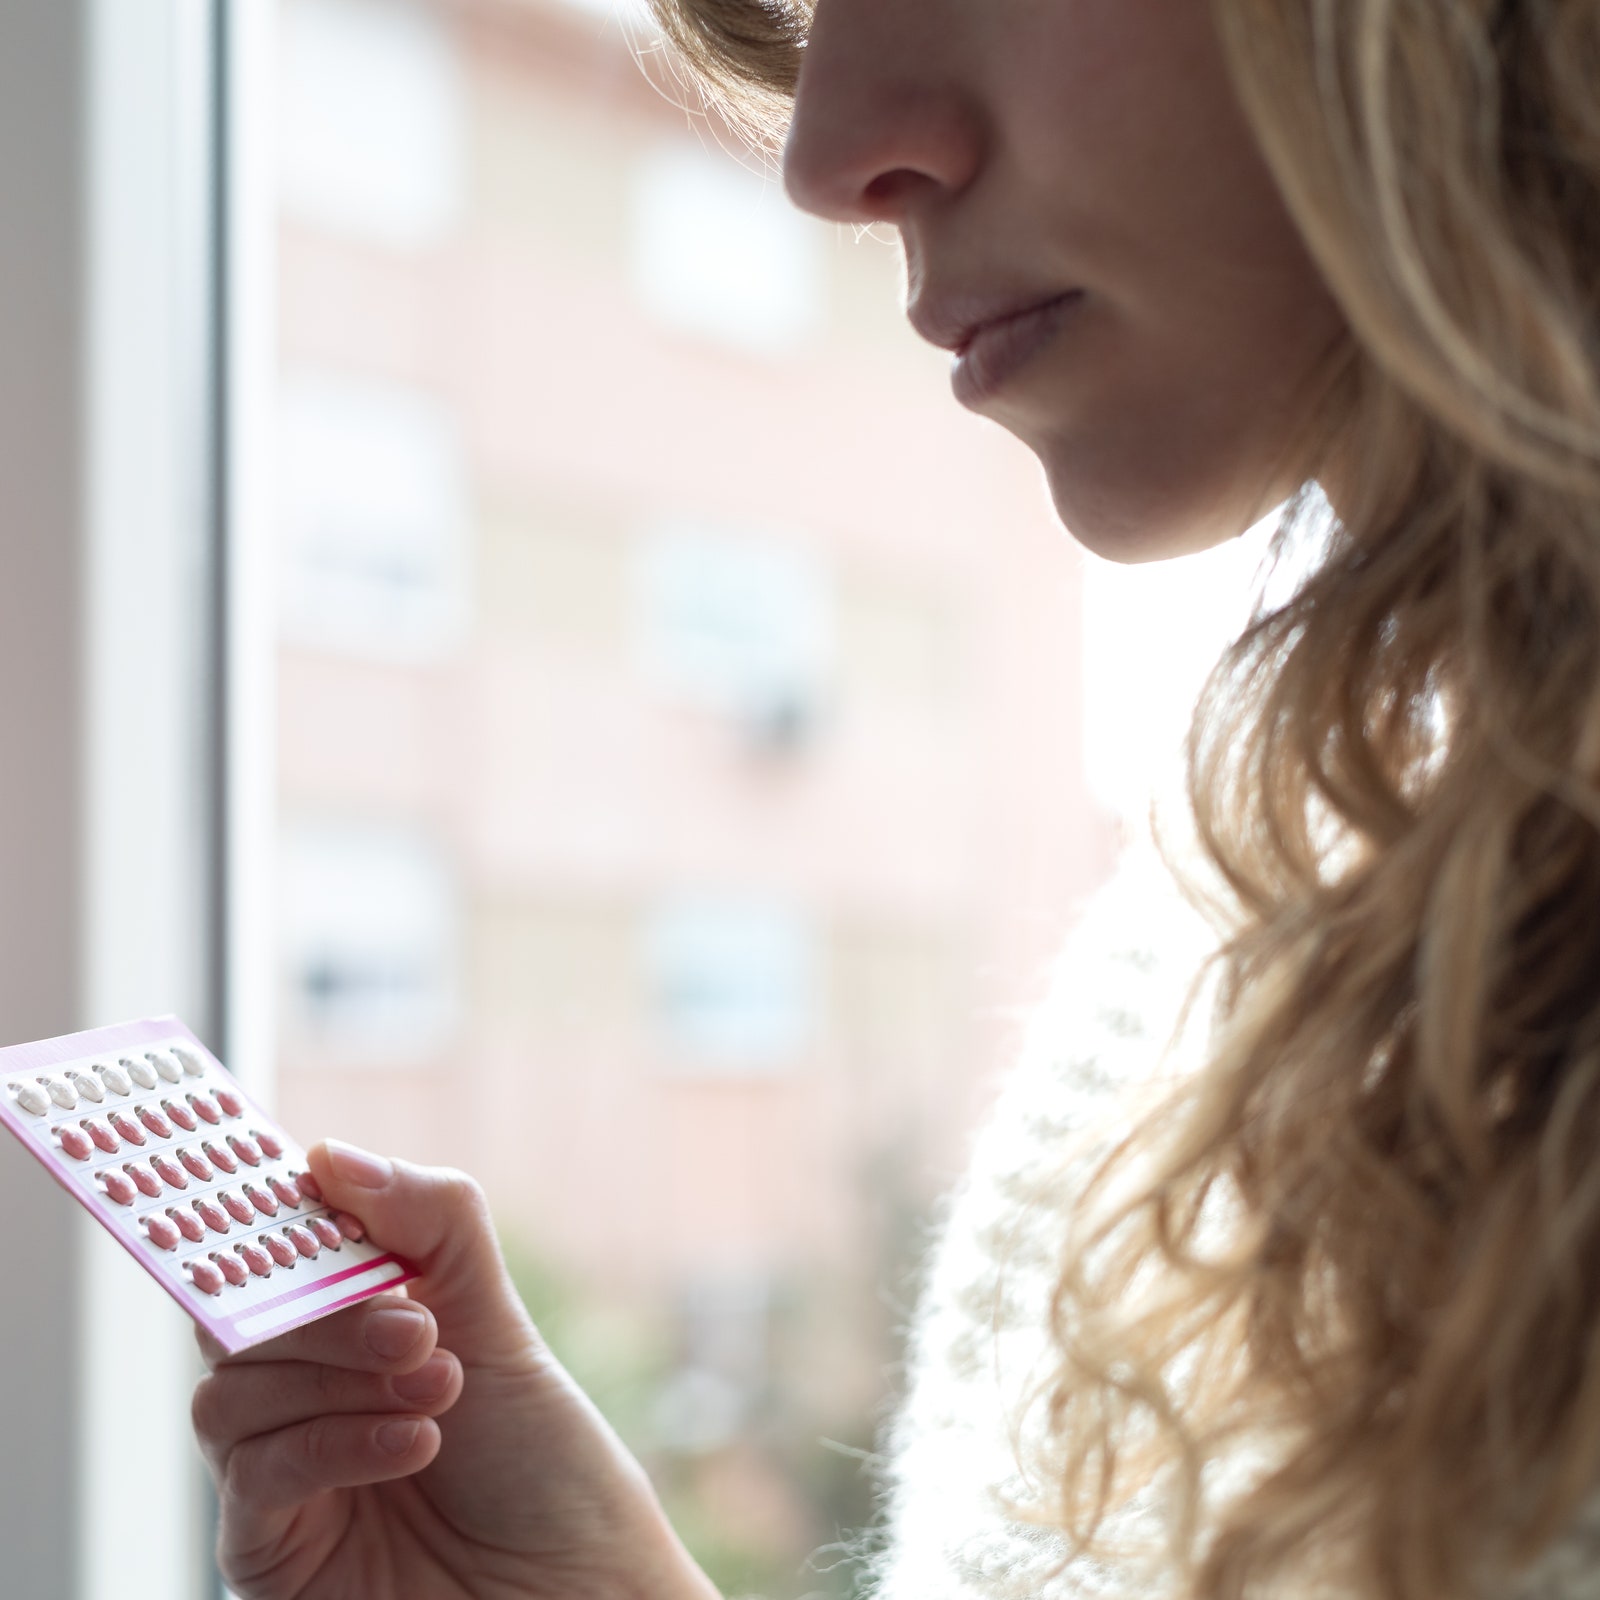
(144, 1127)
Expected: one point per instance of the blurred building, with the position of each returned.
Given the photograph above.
(680, 741)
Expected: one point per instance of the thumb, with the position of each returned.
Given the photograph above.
(438, 1220)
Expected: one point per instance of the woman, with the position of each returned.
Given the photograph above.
(1327, 1316)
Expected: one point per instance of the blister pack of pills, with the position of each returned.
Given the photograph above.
(141, 1123)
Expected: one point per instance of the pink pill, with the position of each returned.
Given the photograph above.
(188, 1224)
(118, 1186)
(231, 1267)
(247, 1150)
(171, 1172)
(206, 1277)
(257, 1259)
(350, 1227)
(163, 1232)
(238, 1206)
(285, 1191)
(147, 1182)
(75, 1142)
(196, 1163)
(303, 1240)
(223, 1158)
(155, 1122)
(261, 1200)
(230, 1102)
(127, 1127)
(102, 1135)
(180, 1114)
(309, 1186)
(212, 1215)
(326, 1232)
(280, 1250)
(271, 1145)
(206, 1108)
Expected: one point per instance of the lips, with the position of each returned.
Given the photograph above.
(993, 337)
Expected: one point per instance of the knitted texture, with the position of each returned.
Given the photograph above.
(980, 1335)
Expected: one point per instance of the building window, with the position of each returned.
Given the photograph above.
(741, 624)
(720, 253)
(385, 163)
(732, 984)
(374, 514)
(370, 936)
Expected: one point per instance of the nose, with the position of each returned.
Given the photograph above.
(882, 122)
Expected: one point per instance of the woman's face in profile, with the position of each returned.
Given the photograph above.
(1087, 221)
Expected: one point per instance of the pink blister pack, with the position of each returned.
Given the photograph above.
(148, 1131)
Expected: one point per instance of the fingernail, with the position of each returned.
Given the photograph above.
(428, 1382)
(392, 1332)
(397, 1437)
(358, 1166)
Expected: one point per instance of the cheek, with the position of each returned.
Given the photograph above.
(1162, 413)
(1159, 444)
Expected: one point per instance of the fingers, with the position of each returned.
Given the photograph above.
(387, 1333)
(439, 1221)
(248, 1401)
(277, 1471)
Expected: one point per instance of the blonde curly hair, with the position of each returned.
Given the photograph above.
(1364, 1240)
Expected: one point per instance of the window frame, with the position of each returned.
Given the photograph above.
(132, 373)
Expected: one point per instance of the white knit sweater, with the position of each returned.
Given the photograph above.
(980, 1329)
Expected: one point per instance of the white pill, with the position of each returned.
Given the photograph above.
(116, 1079)
(89, 1088)
(62, 1093)
(31, 1098)
(165, 1065)
(141, 1072)
(190, 1062)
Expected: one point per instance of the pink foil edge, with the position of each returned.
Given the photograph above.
(235, 1344)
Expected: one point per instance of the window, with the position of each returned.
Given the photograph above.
(435, 533)
(732, 982)
(740, 623)
(370, 120)
(369, 940)
(694, 799)
(374, 509)
(719, 252)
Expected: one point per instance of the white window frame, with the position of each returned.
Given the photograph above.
(131, 371)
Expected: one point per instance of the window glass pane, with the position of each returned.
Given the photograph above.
(680, 730)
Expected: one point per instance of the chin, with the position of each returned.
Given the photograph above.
(1133, 524)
